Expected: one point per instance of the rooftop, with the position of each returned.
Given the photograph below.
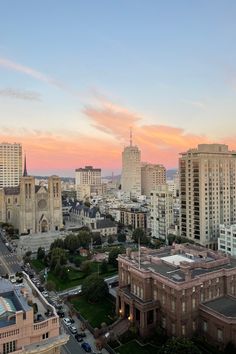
(179, 262)
(225, 305)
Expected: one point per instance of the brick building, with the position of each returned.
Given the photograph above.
(184, 289)
(134, 217)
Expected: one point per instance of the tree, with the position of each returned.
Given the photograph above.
(50, 285)
(121, 237)
(84, 238)
(71, 243)
(27, 257)
(139, 234)
(58, 243)
(77, 262)
(86, 267)
(40, 253)
(110, 239)
(113, 254)
(57, 255)
(94, 288)
(97, 238)
(104, 267)
(180, 346)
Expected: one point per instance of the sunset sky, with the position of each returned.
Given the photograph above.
(75, 75)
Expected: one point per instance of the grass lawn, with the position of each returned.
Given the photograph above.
(134, 348)
(95, 313)
(37, 264)
(75, 278)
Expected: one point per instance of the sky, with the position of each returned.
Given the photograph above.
(75, 75)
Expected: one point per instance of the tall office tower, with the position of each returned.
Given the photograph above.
(161, 213)
(151, 176)
(207, 192)
(10, 164)
(85, 178)
(131, 170)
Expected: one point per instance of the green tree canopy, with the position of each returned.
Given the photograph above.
(40, 253)
(58, 255)
(121, 237)
(139, 234)
(71, 243)
(113, 254)
(58, 243)
(94, 288)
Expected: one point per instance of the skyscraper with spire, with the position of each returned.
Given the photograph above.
(10, 164)
(131, 169)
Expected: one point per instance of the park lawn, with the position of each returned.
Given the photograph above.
(103, 311)
(75, 278)
(134, 347)
(37, 264)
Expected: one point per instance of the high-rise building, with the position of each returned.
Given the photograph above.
(161, 213)
(151, 176)
(207, 192)
(131, 170)
(86, 180)
(10, 164)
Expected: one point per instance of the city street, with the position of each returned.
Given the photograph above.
(8, 261)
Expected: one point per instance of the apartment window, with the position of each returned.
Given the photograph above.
(193, 303)
(183, 306)
(205, 326)
(173, 328)
(163, 322)
(173, 305)
(194, 325)
(163, 299)
(9, 347)
(155, 294)
(183, 330)
(219, 335)
(45, 335)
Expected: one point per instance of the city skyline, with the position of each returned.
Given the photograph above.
(74, 79)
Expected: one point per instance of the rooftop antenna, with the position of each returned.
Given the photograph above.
(130, 136)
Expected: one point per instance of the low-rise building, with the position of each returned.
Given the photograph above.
(185, 290)
(28, 323)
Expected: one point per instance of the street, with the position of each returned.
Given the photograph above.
(72, 346)
(8, 261)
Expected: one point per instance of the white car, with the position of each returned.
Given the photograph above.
(67, 321)
(45, 293)
(73, 329)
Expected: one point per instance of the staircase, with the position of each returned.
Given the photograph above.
(121, 326)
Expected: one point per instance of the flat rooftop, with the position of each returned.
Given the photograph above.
(225, 305)
(175, 261)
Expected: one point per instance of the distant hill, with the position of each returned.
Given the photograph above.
(170, 173)
(64, 179)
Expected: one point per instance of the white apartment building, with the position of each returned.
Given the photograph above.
(85, 179)
(152, 175)
(131, 171)
(161, 213)
(10, 164)
(207, 192)
(227, 239)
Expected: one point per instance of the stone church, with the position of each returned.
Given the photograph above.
(31, 208)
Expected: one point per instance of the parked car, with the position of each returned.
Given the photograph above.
(61, 314)
(82, 334)
(78, 338)
(67, 322)
(71, 320)
(86, 347)
(45, 293)
(73, 329)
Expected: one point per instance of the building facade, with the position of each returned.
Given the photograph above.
(23, 331)
(227, 239)
(134, 217)
(85, 179)
(10, 164)
(31, 208)
(151, 176)
(161, 212)
(185, 290)
(131, 171)
(207, 192)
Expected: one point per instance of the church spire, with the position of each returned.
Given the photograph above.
(25, 174)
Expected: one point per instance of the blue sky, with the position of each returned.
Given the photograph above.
(169, 63)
